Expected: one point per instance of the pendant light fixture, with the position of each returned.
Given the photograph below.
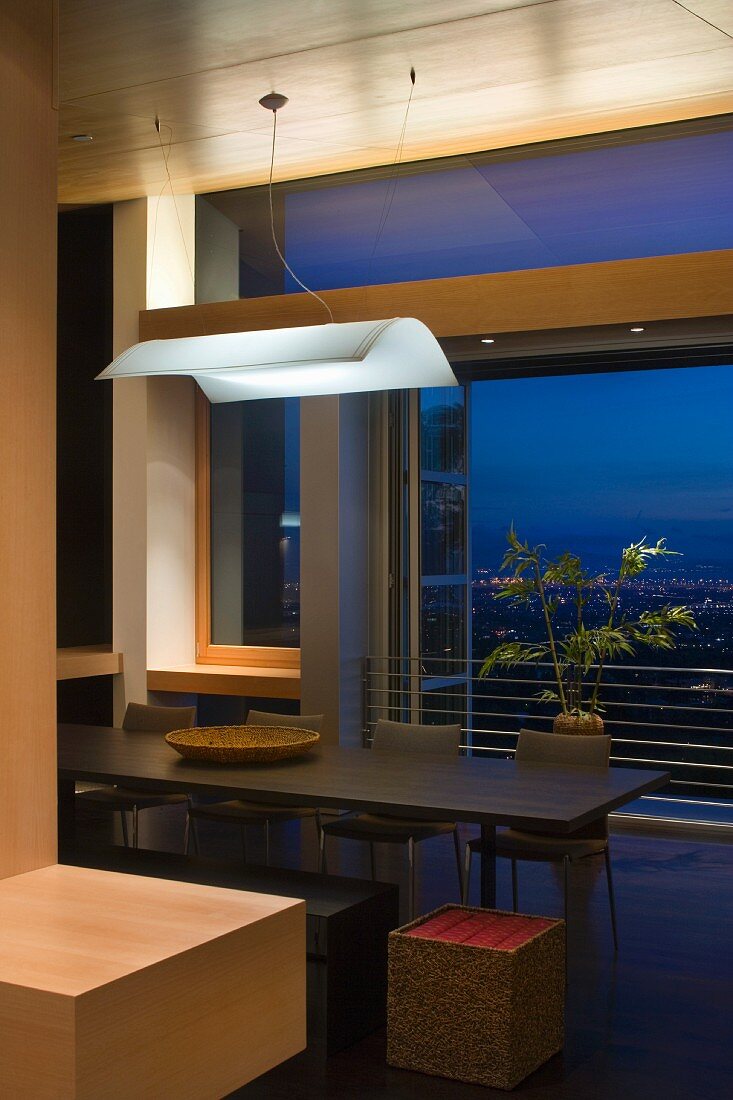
(351, 357)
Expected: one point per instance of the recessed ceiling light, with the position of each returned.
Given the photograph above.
(637, 328)
(82, 137)
(487, 340)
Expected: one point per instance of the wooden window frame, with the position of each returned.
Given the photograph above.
(206, 652)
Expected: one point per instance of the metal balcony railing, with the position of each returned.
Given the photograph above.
(676, 719)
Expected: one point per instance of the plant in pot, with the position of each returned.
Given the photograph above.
(579, 655)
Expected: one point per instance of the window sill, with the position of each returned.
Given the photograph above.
(263, 683)
(77, 662)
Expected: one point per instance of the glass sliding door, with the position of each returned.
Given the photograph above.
(443, 639)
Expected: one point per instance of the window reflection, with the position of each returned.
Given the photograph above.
(442, 430)
(443, 528)
(255, 523)
(443, 629)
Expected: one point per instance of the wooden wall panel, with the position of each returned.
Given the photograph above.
(28, 128)
(696, 284)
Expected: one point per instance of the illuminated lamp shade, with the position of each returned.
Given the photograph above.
(400, 353)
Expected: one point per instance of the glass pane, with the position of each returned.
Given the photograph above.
(255, 523)
(502, 210)
(595, 500)
(442, 629)
(443, 430)
(443, 529)
(445, 705)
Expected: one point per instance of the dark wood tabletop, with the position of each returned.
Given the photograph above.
(484, 791)
(487, 792)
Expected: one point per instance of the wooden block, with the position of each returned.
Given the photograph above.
(116, 986)
(76, 662)
(262, 683)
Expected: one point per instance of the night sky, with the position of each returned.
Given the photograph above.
(591, 462)
(576, 205)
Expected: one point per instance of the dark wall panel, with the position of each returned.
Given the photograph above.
(84, 453)
(84, 442)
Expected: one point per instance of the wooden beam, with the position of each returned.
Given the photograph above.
(694, 284)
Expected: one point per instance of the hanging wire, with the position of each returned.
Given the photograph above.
(285, 263)
(166, 152)
(394, 175)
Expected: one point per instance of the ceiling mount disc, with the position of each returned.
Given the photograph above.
(273, 101)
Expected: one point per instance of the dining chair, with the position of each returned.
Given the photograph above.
(244, 812)
(142, 718)
(403, 737)
(536, 846)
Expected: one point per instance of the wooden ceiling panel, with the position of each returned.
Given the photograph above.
(528, 72)
(107, 44)
(717, 12)
(222, 162)
(486, 117)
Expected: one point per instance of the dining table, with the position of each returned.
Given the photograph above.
(488, 792)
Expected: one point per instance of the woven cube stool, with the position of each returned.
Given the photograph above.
(476, 995)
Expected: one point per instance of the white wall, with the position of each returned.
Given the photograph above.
(129, 459)
(170, 251)
(334, 548)
(217, 245)
(171, 521)
(153, 477)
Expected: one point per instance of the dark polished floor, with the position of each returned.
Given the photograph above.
(656, 1022)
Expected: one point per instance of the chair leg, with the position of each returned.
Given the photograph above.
(515, 888)
(322, 852)
(459, 862)
(411, 859)
(243, 838)
(566, 869)
(135, 827)
(611, 898)
(123, 819)
(267, 843)
(319, 833)
(195, 836)
(467, 874)
(189, 831)
(372, 861)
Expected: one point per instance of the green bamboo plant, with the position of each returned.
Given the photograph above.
(579, 656)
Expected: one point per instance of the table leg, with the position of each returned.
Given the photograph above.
(488, 866)
(66, 813)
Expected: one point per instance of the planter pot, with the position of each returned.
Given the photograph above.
(575, 725)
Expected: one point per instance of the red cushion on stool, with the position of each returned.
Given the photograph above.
(502, 931)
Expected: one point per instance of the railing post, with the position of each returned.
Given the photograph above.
(365, 702)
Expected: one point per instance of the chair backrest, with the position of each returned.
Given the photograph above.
(312, 722)
(592, 751)
(581, 751)
(148, 719)
(411, 737)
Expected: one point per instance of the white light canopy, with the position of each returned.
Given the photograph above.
(400, 353)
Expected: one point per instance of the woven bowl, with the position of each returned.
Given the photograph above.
(241, 744)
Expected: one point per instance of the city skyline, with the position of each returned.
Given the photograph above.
(590, 463)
